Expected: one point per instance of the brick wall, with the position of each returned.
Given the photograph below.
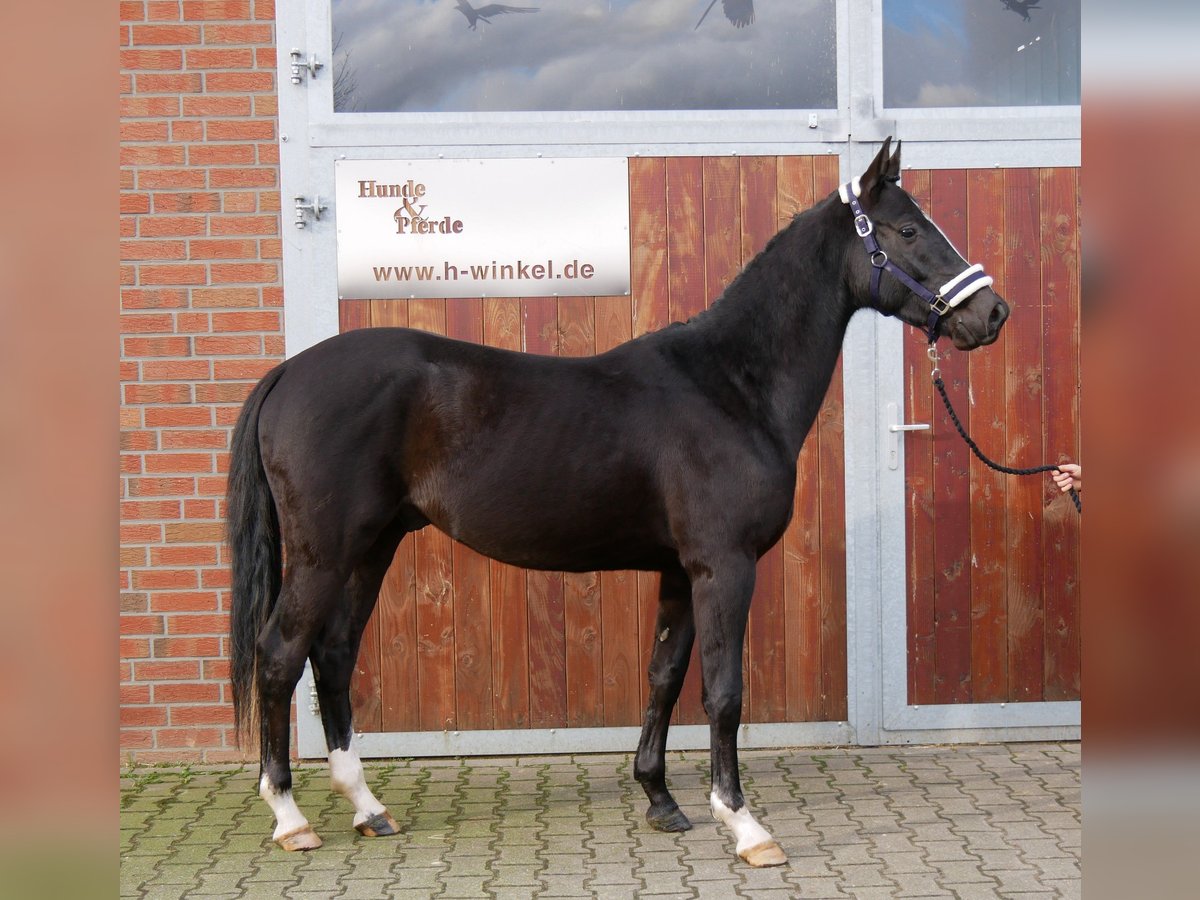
(201, 321)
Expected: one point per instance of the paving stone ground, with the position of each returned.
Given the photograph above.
(1000, 820)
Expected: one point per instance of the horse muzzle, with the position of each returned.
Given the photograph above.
(978, 323)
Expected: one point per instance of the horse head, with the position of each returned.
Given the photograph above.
(907, 267)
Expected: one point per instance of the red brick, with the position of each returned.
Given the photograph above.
(132, 739)
(164, 648)
(204, 692)
(268, 154)
(152, 35)
(172, 226)
(128, 274)
(152, 298)
(270, 248)
(262, 176)
(201, 715)
(255, 225)
(179, 83)
(134, 693)
(229, 345)
(217, 623)
(239, 82)
(140, 533)
(149, 509)
(237, 369)
(169, 60)
(169, 463)
(195, 10)
(144, 249)
(185, 440)
(184, 601)
(146, 323)
(177, 370)
(225, 249)
(186, 323)
(221, 155)
(237, 34)
(264, 57)
(129, 371)
(151, 579)
(128, 226)
(124, 83)
(161, 487)
(131, 465)
(134, 203)
(163, 11)
(176, 274)
(199, 509)
(269, 201)
(217, 486)
(185, 130)
(159, 670)
(216, 669)
(265, 320)
(132, 11)
(152, 155)
(139, 440)
(264, 10)
(137, 625)
(204, 107)
(133, 648)
(266, 105)
(195, 533)
(157, 346)
(228, 415)
(224, 297)
(148, 107)
(233, 273)
(240, 130)
(216, 578)
(172, 179)
(167, 416)
(273, 346)
(157, 393)
(273, 295)
(143, 715)
(187, 202)
(184, 737)
(229, 392)
(241, 202)
(200, 555)
(132, 601)
(133, 557)
(239, 58)
(144, 131)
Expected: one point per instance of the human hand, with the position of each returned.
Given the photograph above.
(1069, 475)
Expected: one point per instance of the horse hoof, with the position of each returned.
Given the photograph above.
(300, 839)
(765, 854)
(668, 819)
(379, 825)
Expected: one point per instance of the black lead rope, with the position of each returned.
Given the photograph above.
(1007, 470)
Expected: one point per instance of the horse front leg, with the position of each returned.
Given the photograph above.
(721, 598)
(674, 633)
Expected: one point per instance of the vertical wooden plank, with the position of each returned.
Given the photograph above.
(471, 578)
(650, 289)
(547, 628)
(767, 627)
(618, 590)
(833, 551)
(1060, 278)
(507, 584)
(918, 477)
(801, 542)
(433, 565)
(585, 672)
(366, 690)
(685, 237)
(722, 224)
(1023, 387)
(989, 489)
(397, 608)
(951, 488)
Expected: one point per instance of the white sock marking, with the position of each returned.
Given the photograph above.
(743, 825)
(288, 817)
(346, 773)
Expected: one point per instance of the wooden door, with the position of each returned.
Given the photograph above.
(461, 642)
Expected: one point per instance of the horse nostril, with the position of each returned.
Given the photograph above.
(998, 316)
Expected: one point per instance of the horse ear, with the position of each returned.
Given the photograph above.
(893, 166)
(872, 179)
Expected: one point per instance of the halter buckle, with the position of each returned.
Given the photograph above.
(863, 225)
(939, 305)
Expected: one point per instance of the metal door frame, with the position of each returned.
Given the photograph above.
(313, 137)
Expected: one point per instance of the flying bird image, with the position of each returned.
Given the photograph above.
(484, 13)
(1021, 7)
(739, 12)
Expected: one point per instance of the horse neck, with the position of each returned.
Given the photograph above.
(774, 336)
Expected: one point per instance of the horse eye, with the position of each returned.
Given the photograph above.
(908, 231)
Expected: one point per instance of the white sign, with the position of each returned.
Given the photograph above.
(482, 228)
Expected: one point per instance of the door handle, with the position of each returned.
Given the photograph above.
(895, 428)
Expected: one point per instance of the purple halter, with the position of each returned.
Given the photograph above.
(951, 294)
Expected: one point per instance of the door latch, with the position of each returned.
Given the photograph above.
(313, 209)
(895, 429)
(299, 64)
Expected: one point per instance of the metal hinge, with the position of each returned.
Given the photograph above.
(299, 63)
(313, 209)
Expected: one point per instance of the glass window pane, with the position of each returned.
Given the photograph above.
(980, 52)
(567, 55)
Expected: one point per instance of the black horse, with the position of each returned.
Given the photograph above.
(675, 452)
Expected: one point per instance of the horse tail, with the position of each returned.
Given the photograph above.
(255, 544)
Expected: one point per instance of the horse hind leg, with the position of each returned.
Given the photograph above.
(674, 634)
(333, 656)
